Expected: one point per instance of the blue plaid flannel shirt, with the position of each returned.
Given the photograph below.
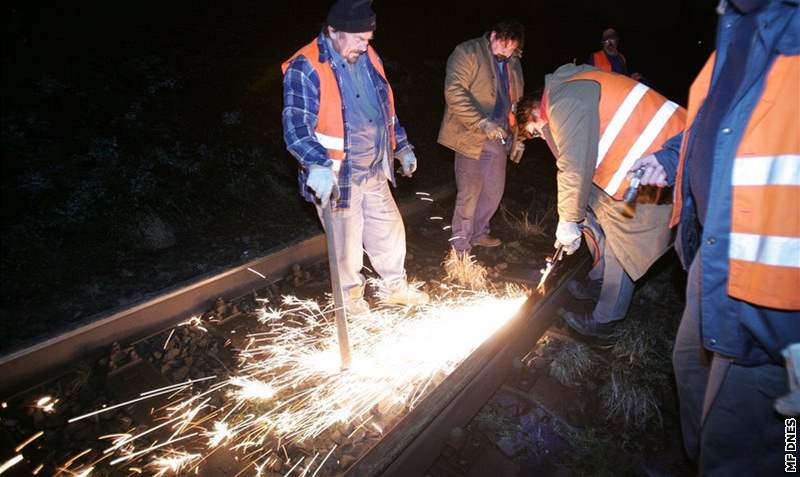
(300, 115)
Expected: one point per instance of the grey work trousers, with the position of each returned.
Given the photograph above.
(728, 422)
(480, 185)
(617, 287)
(373, 224)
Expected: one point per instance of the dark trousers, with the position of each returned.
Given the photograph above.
(480, 185)
(729, 425)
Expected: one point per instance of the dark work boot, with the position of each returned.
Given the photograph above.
(584, 324)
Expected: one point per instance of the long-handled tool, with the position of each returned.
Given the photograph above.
(548, 269)
(336, 287)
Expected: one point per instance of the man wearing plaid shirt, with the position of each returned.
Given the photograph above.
(339, 123)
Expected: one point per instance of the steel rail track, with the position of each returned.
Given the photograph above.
(22, 369)
(414, 443)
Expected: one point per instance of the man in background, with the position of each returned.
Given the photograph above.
(609, 57)
(482, 84)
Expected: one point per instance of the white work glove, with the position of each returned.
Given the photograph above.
(321, 180)
(568, 234)
(517, 150)
(408, 161)
(492, 130)
(654, 172)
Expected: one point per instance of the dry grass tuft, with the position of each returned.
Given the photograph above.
(523, 226)
(627, 399)
(572, 364)
(462, 268)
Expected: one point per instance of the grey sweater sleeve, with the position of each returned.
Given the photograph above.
(575, 126)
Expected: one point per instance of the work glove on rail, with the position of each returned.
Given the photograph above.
(492, 130)
(321, 180)
(408, 162)
(568, 234)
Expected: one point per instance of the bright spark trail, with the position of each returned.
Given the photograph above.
(288, 407)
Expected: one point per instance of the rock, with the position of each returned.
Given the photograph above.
(220, 307)
(509, 446)
(505, 399)
(180, 373)
(456, 437)
(345, 461)
(336, 435)
(125, 422)
(172, 354)
(154, 233)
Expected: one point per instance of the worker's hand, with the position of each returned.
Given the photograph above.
(322, 181)
(492, 130)
(568, 234)
(517, 150)
(408, 161)
(654, 172)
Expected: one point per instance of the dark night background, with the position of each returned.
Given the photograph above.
(142, 144)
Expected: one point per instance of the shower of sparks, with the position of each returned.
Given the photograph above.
(172, 463)
(10, 463)
(28, 441)
(257, 273)
(169, 337)
(84, 472)
(289, 393)
(196, 322)
(46, 404)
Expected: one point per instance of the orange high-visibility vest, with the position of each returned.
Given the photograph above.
(634, 122)
(764, 251)
(601, 61)
(330, 118)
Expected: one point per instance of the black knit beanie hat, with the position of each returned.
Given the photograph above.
(352, 16)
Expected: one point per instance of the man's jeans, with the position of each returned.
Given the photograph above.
(372, 224)
(617, 287)
(480, 185)
(727, 419)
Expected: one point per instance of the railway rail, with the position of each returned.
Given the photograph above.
(25, 367)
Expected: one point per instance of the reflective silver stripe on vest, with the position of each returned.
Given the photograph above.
(619, 119)
(783, 169)
(330, 142)
(766, 249)
(642, 144)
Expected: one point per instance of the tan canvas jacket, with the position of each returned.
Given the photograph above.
(470, 87)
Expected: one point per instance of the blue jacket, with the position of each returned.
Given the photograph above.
(300, 110)
(750, 334)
